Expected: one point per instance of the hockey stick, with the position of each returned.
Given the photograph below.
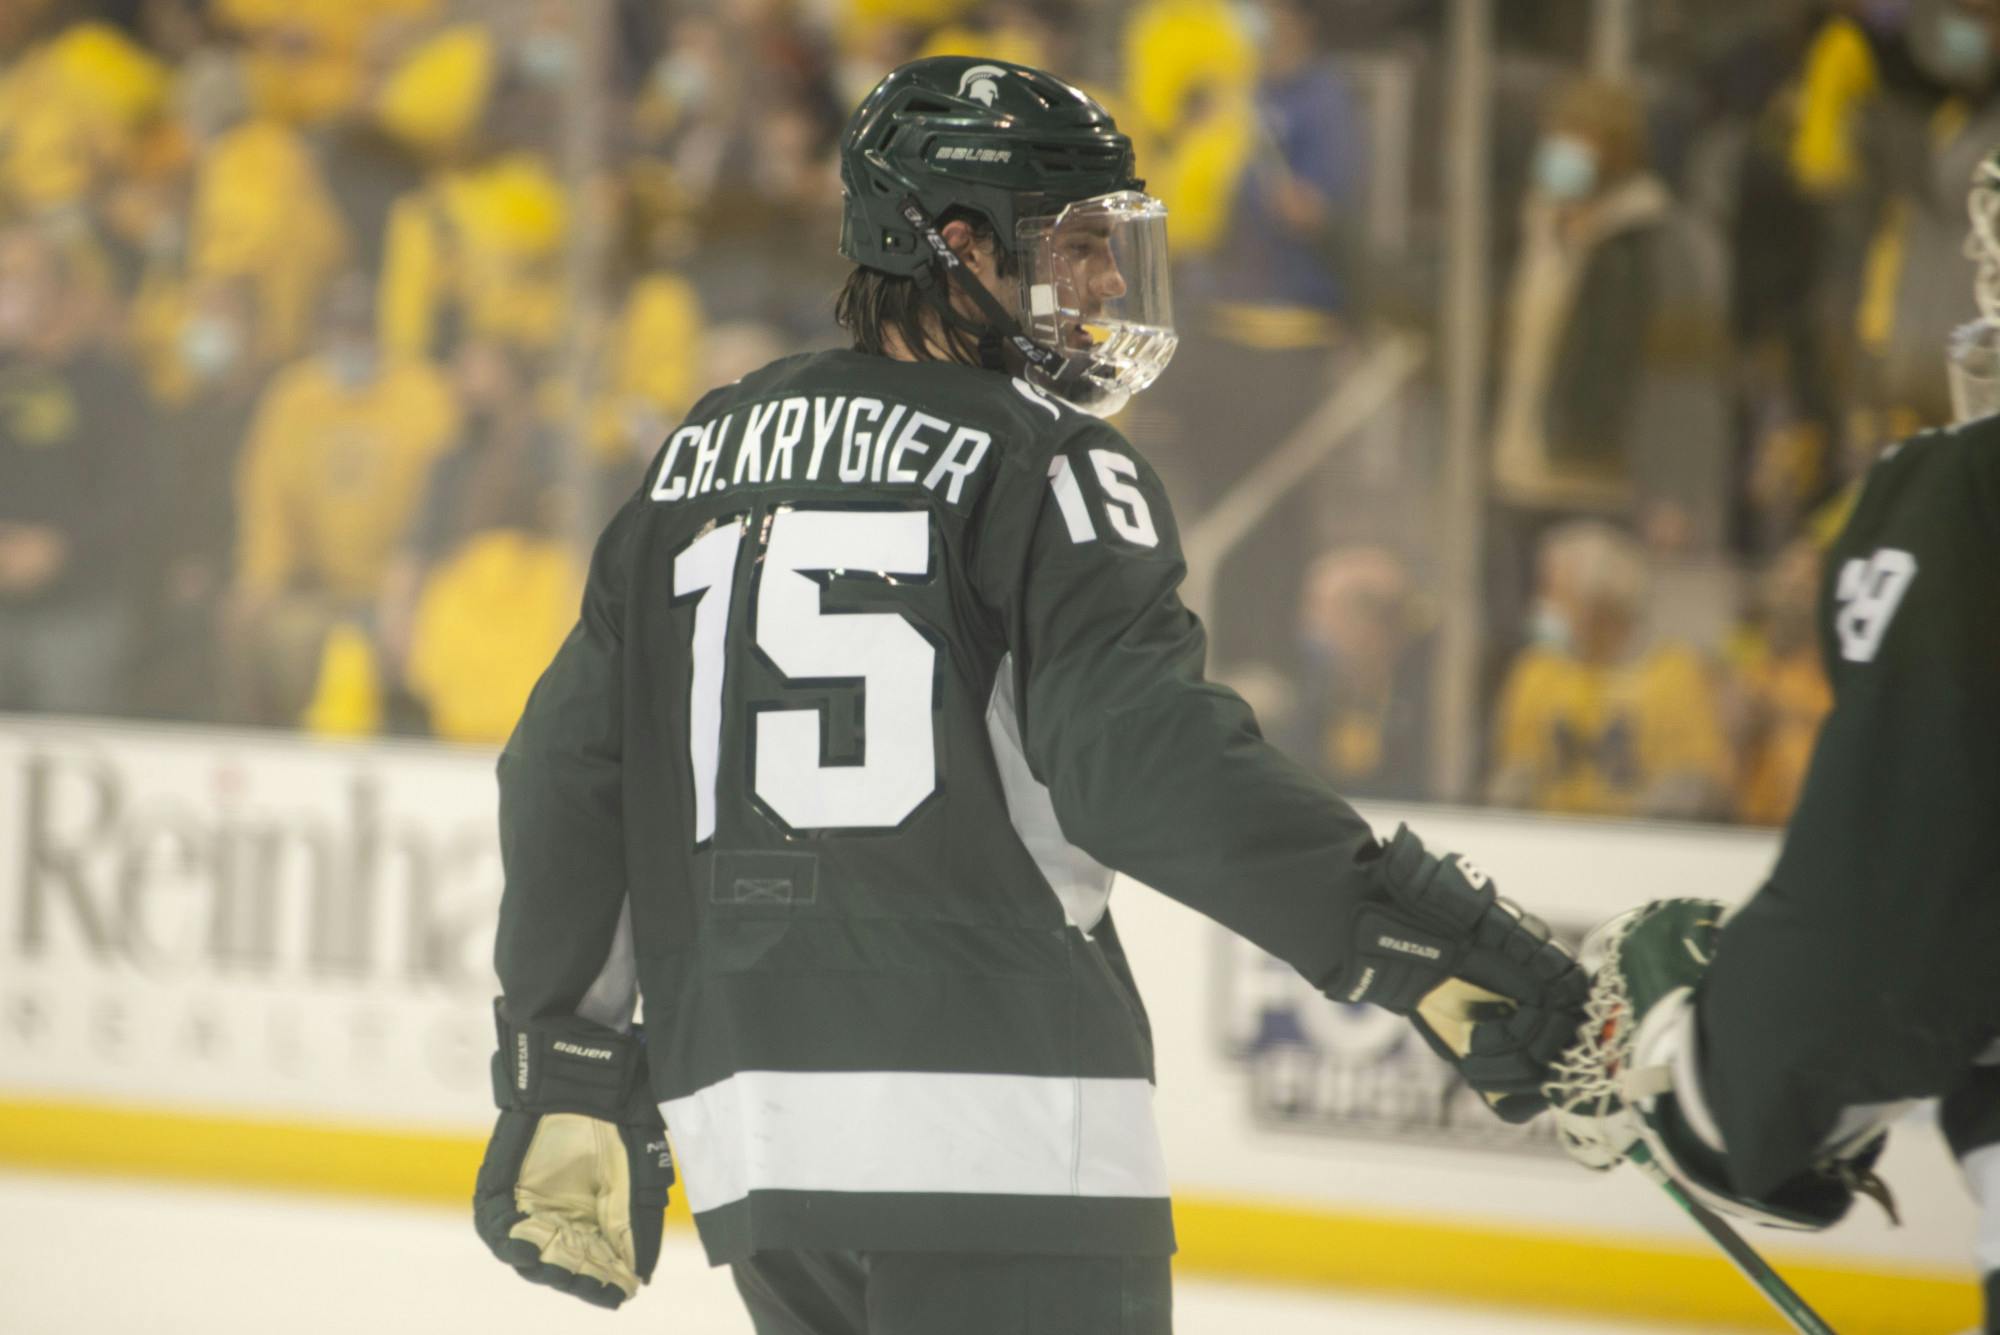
(1754, 1267)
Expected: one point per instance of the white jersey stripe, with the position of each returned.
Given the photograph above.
(1982, 1174)
(1080, 881)
(903, 1131)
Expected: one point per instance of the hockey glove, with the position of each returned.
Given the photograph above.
(573, 1189)
(1630, 1085)
(1484, 984)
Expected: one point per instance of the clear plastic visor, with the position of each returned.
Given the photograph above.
(1975, 347)
(1975, 371)
(1095, 287)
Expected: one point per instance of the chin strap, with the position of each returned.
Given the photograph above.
(1003, 346)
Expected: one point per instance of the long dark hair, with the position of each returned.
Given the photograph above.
(872, 304)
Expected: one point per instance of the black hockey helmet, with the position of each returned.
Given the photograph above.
(1047, 168)
(959, 132)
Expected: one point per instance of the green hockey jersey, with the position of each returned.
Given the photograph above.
(1863, 971)
(879, 676)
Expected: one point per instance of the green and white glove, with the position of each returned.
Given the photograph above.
(573, 1189)
(1630, 1086)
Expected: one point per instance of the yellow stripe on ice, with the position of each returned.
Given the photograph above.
(1434, 1259)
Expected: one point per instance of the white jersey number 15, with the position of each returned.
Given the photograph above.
(894, 662)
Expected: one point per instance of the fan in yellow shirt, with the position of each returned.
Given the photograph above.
(491, 617)
(333, 468)
(263, 212)
(481, 592)
(1589, 723)
(69, 111)
(307, 60)
(1190, 94)
(482, 242)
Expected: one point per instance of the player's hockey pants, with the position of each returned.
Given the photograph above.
(937, 1293)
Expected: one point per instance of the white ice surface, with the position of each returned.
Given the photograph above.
(83, 1256)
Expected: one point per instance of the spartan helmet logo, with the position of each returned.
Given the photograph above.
(978, 83)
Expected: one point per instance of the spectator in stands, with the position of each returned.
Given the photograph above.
(1609, 398)
(1290, 272)
(1779, 693)
(483, 589)
(262, 211)
(1363, 707)
(70, 111)
(308, 61)
(464, 125)
(651, 371)
(1785, 337)
(1896, 105)
(477, 251)
(74, 476)
(333, 470)
(1190, 101)
(198, 438)
(743, 107)
(1584, 292)
(1913, 288)
(1264, 170)
(1592, 721)
(1285, 308)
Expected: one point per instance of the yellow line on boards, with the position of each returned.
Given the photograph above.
(1490, 1266)
(1238, 1238)
(430, 1167)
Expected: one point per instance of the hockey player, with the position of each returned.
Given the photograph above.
(880, 675)
(1861, 975)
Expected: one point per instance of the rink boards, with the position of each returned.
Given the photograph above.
(260, 958)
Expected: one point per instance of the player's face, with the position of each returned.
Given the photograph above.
(1093, 284)
(1087, 273)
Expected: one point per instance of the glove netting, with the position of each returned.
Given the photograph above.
(1585, 1087)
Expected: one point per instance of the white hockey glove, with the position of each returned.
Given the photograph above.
(573, 1189)
(1484, 984)
(1630, 1086)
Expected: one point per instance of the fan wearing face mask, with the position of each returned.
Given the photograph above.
(1599, 416)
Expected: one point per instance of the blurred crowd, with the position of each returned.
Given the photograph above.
(330, 328)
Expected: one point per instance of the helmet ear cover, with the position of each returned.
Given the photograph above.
(1002, 346)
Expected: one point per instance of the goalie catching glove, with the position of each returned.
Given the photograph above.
(573, 1189)
(1484, 984)
(1630, 1086)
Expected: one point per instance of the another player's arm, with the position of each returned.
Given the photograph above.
(575, 1179)
(1162, 774)
(1763, 1081)
(1894, 825)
